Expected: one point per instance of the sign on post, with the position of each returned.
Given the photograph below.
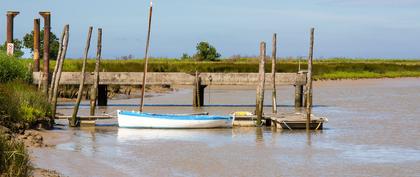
(10, 49)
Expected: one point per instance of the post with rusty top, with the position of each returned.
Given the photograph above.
(273, 72)
(36, 44)
(47, 28)
(260, 87)
(9, 40)
(60, 68)
(94, 90)
(309, 83)
(74, 120)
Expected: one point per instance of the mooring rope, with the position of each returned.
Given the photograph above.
(287, 125)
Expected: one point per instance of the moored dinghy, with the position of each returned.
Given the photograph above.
(132, 119)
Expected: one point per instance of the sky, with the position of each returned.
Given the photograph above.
(344, 28)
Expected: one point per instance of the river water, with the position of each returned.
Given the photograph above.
(373, 130)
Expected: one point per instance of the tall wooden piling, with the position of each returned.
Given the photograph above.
(36, 44)
(94, 91)
(60, 68)
(74, 121)
(57, 64)
(260, 87)
(47, 28)
(309, 82)
(273, 72)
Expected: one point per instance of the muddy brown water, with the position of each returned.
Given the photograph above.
(373, 130)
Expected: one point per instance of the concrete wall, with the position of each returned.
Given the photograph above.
(135, 78)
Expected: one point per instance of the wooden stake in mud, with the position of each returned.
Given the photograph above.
(74, 121)
(60, 68)
(146, 58)
(309, 83)
(94, 90)
(260, 87)
(57, 63)
(273, 72)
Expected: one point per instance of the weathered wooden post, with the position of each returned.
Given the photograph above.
(273, 72)
(260, 87)
(47, 28)
(309, 83)
(36, 44)
(94, 90)
(198, 91)
(57, 64)
(74, 121)
(146, 58)
(298, 96)
(60, 68)
(9, 41)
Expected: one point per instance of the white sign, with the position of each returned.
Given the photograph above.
(10, 49)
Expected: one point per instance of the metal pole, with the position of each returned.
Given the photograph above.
(146, 58)
(36, 44)
(9, 41)
(309, 83)
(47, 28)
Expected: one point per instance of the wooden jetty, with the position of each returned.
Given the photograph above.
(288, 121)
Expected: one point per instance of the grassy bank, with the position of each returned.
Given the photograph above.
(334, 68)
(21, 107)
(14, 159)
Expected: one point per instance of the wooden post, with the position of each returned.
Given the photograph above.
(309, 83)
(60, 68)
(57, 64)
(146, 58)
(74, 121)
(298, 96)
(273, 72)
(94, 91)
(36, 44)
(198, 92)
(47, 28)
(260, 87)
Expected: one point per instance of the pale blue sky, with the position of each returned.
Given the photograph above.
(344, 28)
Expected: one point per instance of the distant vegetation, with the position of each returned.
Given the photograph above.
(335, 68)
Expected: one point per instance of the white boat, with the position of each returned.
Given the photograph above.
(133, 119)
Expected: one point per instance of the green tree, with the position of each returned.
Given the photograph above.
(18, 48)
(206, 52)
(28, 42)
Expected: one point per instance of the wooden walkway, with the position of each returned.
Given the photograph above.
(289, 121)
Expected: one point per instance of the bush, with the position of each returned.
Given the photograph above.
(21, 103)
(12, 68)
(206, 52)
(14, 159)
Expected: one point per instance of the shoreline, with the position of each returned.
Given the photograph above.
(55, 137)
